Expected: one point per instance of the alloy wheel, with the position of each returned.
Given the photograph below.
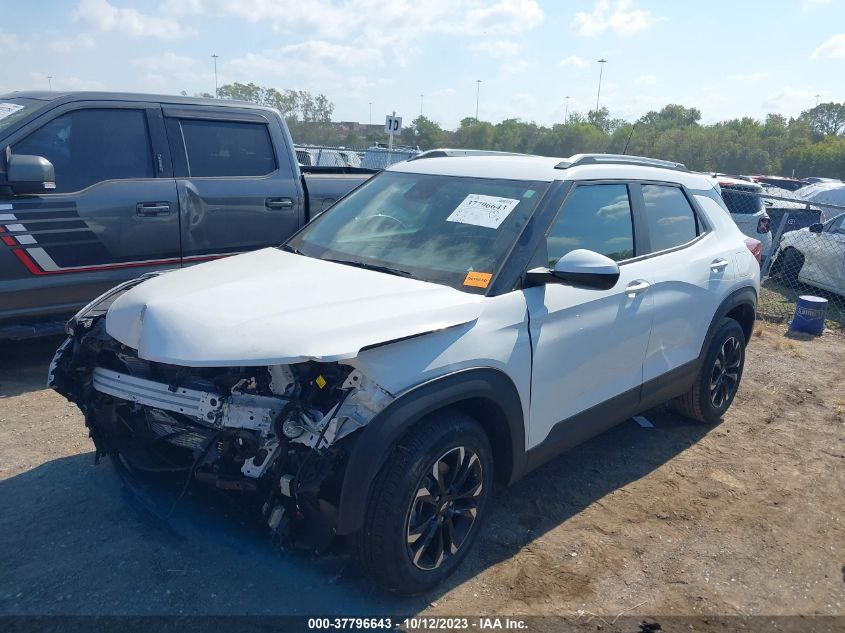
(444, 508)
(725, 376)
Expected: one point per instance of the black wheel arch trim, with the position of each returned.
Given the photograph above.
(746, 295)
(374, 444)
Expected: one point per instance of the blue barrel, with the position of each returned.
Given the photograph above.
(809, 315)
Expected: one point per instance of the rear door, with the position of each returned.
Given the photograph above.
(238, 189)
(693, 269)
(113, 215)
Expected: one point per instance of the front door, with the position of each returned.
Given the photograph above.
(588, 344)
(113, 214)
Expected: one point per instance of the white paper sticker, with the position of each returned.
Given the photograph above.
(9, 108)
(487, 211)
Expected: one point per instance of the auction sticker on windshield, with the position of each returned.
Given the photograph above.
(9, 108)
(480, 210)
(478, 280)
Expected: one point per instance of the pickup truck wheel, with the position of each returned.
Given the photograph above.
(426, 504)
(718, 379)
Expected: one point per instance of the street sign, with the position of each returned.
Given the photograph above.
(392, 124)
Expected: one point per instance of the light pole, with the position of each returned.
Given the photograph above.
(421, 105)
(817, 99)
(371, 112)
(216, 91)
(477, 94)
(601, 62)
(566, 111)
(50, 84)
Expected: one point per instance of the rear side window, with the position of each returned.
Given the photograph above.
(92, 145)
(227, 148)
(670, 218)
(742, 200)
(595, 217)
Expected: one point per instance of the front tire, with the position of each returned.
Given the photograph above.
(427, 504)
(793, 262)
(718, 379)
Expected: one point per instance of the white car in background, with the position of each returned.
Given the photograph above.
(744, 200)
(814, 256)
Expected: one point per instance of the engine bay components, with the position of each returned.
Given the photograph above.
(277, 431)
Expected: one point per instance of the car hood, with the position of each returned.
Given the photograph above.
(272, 307)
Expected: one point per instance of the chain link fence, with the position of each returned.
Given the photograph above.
(802, 250)
(377, 156)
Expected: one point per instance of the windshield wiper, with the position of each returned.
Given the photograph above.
(290, 249)
(376, 267)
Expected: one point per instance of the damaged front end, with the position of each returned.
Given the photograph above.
(280, 433)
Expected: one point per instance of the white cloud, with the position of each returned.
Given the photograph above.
(9, 41)
(72, 44)
(574, 61)
(165, 62)
(758, 76)
(621, 17)
(808, 5)
(833, 48)
(506, 16)
(514, 67)
(103, 16)
(646, 80)
(789, 100)
(497, 48)
(313, 63)
(66, 83)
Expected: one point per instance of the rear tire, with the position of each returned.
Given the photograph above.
(426, 505)
(718, 379)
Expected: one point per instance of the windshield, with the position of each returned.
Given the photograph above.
(444, 229)
(16, 108)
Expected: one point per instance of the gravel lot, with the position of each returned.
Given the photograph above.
(742, 518)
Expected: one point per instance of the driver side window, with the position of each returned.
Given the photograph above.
(595, 217)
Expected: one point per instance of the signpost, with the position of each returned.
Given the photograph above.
(392, 125)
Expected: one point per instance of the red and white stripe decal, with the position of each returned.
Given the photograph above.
(38, 261)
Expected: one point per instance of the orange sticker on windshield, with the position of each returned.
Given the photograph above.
(478, 280)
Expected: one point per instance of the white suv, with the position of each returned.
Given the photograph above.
(451, 323)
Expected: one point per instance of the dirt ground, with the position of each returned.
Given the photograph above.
(742, 518)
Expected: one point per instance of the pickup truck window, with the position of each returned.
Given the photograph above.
(14, 109)
(451, 230)
(227, 148)
(92, 145)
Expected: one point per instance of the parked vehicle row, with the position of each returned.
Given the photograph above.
(452, 323)
(99, 188)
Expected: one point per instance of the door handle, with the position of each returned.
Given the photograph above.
(636, 287)
(718, 264)
(152, 209)
(278, 203)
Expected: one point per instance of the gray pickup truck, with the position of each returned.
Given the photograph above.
(98, 188)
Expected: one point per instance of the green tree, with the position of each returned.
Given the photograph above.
(826, 118)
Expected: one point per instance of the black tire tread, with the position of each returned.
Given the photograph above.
(370, 544)
(689, 403)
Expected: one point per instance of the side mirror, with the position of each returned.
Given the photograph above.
(817, 227)
(30, 174)
(579, 268)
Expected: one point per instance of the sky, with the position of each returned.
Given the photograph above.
(727, 58)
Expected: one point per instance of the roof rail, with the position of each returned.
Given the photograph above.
(618, 159)
(443, 152)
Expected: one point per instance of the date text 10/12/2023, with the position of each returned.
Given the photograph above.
(419, 623)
